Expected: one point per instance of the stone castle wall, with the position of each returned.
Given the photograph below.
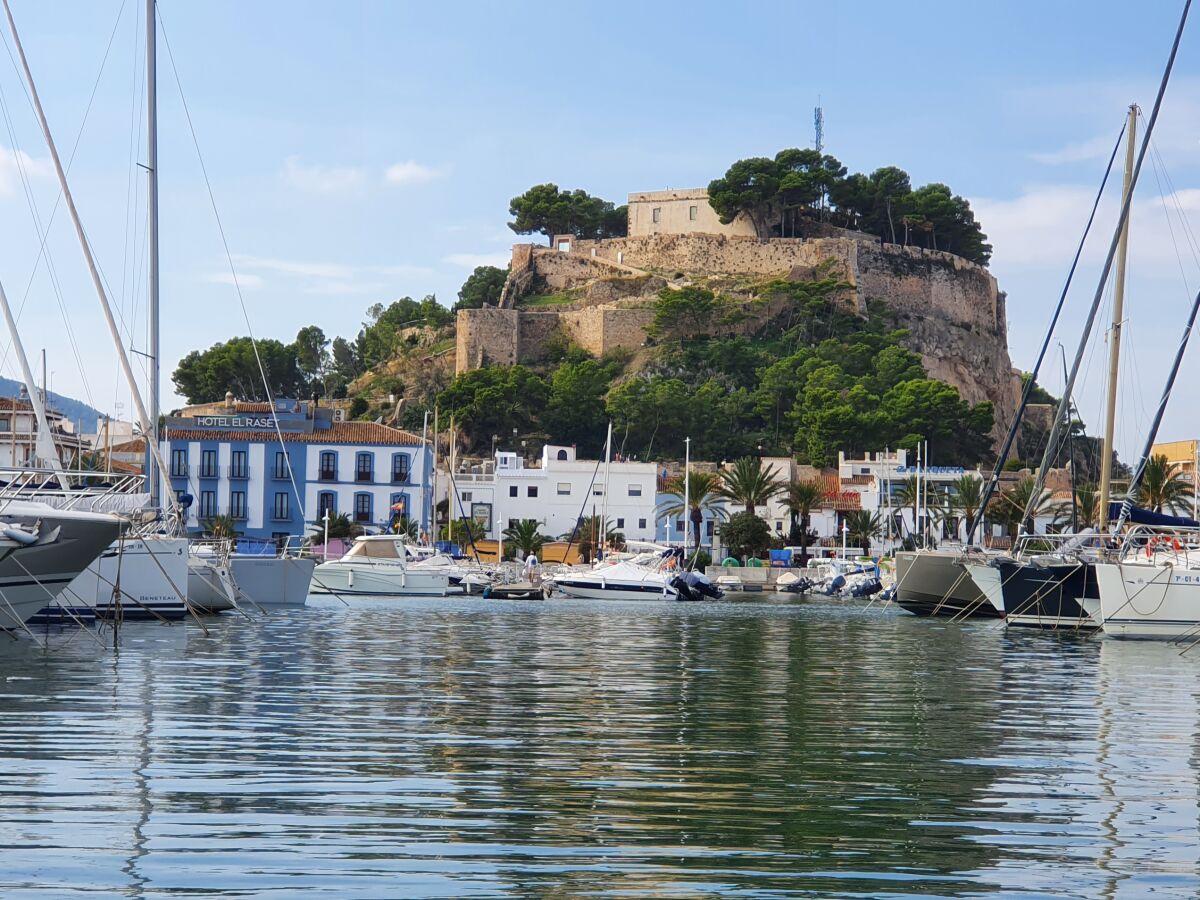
(953, 308)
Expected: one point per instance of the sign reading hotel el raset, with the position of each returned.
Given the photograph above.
(241, 423)
(930, 470)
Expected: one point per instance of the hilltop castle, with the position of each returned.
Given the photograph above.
(600, 293)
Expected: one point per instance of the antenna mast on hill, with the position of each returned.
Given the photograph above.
(819, 125)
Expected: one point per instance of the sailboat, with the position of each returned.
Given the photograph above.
(1060, 587)
(145, 576)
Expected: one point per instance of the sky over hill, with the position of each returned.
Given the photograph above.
(362, 152)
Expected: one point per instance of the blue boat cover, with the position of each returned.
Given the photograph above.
(1139, 516)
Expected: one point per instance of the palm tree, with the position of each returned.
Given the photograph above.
(1164, 487)
(594, 532)
(703, 493)
(525, 537)
(966, 493)
(864, 526)
(1009, 509)
(908, 496)
(1087, 508)
(749, 484)
(221, 527)
(801, 499)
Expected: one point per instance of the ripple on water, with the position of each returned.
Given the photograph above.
(766, 747)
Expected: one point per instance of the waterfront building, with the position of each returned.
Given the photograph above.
(277, 469)
(556, 493)
(19, 430)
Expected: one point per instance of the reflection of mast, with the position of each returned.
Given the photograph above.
(1108, 823)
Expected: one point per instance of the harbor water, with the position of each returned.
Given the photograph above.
(764, 747)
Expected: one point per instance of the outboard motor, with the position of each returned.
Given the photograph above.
(692, 586)
(836, 583)
(866, 588)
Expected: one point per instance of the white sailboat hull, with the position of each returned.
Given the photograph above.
(152, 573)
(1139, 600)
(273, 581)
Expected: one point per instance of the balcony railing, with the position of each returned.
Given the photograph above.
(401, 476)
(239, 473)
(240, 515)
(281, 515)
(327, 475)
(364, 477)
(180, 471)
(280, 473)
(360, 516)
(210, 472)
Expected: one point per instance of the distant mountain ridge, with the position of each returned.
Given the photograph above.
(84, 417)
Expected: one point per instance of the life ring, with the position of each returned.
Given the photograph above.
(1162, 540)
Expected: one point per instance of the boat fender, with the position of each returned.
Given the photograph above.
(20, 536)
(350, 574)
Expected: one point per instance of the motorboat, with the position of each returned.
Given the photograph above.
(647, 576)
(379, 565)
(42, 550)
(467, 579)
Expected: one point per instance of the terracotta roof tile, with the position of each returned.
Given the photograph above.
(338, 433)
(136, 445)
(14, 403)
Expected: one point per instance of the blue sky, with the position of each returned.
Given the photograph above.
(361, 152)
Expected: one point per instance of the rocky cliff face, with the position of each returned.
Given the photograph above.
(953, 309)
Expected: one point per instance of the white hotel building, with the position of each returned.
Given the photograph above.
(556, 493)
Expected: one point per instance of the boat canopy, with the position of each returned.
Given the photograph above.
(1139, 516)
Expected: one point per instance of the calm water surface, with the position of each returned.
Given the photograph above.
(761, 748)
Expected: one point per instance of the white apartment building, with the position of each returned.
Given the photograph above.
(556, 493)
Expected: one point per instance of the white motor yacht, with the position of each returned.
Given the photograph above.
(379, 565)
(468, 579)
(645, 577)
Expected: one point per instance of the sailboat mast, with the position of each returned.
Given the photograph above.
(1114, 347)
(152, 475)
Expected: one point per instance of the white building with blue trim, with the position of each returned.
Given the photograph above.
(276, 469)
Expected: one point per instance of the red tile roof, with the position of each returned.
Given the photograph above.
(14, 403)
(136, 445)
(338, 433)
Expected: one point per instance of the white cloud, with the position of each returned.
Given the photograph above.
(319, 277)
(471, 260)
(412, 172)
(246, 280)
(306, 268)
(11, 163)
(1040, 228)
(320, 179)
(1097, 148)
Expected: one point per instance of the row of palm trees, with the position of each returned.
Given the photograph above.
(747, 483)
